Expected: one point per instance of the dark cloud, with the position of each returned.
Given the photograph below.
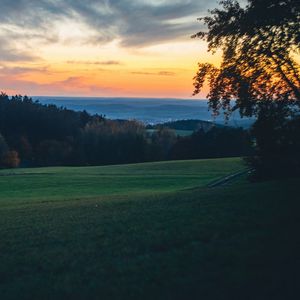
(145, 24)
(135, 23)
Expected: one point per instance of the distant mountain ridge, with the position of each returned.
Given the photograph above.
(147, 110)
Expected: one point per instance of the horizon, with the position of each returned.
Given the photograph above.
(140, 49)
(120, 97)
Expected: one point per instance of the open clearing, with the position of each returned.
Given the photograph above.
(141, 232)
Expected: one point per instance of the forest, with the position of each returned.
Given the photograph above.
(33, 134)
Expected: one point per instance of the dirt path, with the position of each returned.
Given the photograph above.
(227, 179)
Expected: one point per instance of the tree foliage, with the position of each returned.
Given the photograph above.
(259, 75)
(3, 147)
(277, 138)
(11, 159)
(216, 142)
(260, 43)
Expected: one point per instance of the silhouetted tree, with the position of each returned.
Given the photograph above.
(217, 142)
(258, 42)
(30, 127)
(164, 139)
(3, 149)
(277, 137)
(107, 142)
(53, 153)
(25, 151)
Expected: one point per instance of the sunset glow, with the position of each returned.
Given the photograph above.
(104, 48)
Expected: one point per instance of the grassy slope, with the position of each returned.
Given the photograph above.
(234, 242)
(64, 183)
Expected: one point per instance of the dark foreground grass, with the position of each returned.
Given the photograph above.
(235, 242)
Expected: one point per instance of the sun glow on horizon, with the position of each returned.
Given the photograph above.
(72, 60)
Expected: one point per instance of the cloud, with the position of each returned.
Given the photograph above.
(13, 71)
(166, 73)
(134, 23)
(146, 24)
(11, 53)
(70, 86)
(14, 55)
(161, 73)
(102, 63)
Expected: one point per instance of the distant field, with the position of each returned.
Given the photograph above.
(148, 178)
(177, 131)
(139, 232)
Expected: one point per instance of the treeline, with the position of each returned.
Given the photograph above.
(217, 142)
(191, 124)
(33, 134)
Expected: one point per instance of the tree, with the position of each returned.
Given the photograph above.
(107, 142)
(277, 142)
(11, 159)
(163, 139)
(259, 43)
(258, 75)
(3, 148)
(216, 142)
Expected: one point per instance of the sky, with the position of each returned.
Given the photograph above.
(102, 48)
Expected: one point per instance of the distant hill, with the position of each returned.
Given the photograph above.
(146, 110)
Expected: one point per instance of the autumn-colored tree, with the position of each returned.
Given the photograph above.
(11, 159)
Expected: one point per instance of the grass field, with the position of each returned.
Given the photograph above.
(179, 132)
(150, 231)
(64, 183)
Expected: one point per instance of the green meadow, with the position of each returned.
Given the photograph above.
(62, 183)
(147, 231)
(179, 132)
